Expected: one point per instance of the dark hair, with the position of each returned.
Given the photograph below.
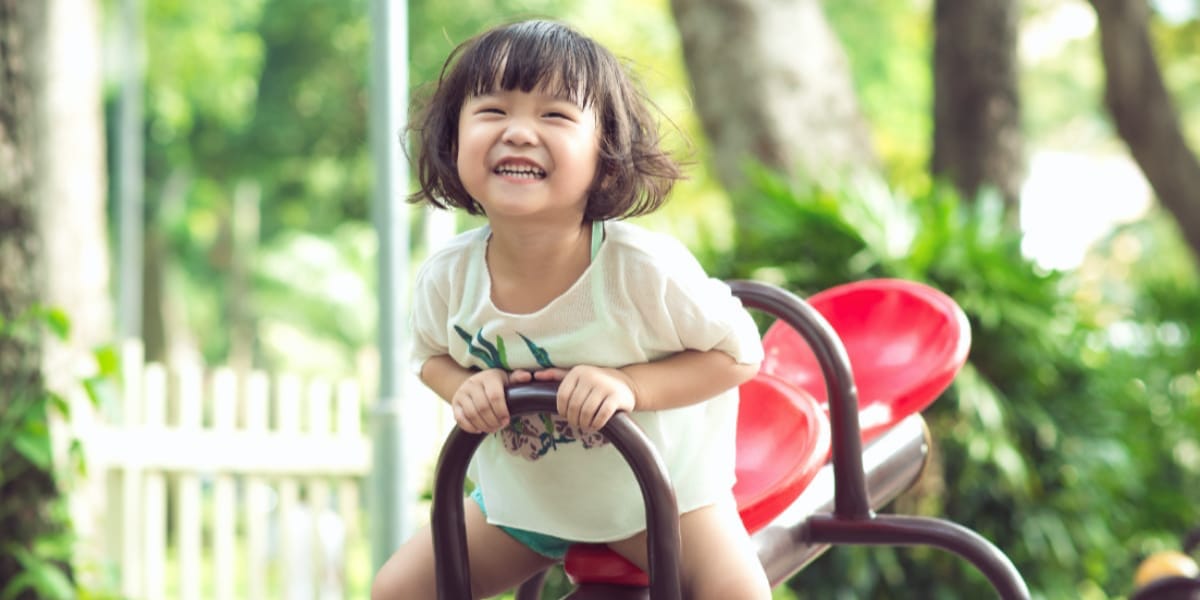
(633, 175)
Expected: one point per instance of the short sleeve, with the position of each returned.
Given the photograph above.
(429, 315)
(706, 314)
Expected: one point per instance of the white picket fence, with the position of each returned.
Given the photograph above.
(207, 484)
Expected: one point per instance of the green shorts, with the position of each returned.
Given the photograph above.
(546, 545)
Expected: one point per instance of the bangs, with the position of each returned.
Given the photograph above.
(534, 54)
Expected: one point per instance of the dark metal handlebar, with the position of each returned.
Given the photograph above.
(449, 525)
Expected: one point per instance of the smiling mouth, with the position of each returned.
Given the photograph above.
(520, 171)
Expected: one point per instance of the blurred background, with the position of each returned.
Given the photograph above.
(1034, 160)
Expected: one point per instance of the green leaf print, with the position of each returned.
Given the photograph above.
(548, 422)
(539, 354)
(492, 350)
(462, 333)
(502, 352)
(475, 351)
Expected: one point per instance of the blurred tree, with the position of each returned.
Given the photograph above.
(258, 242)
(1144, 114)
(889, 59)
(71, 185)
(201, 73)
(772, 84)
(977, 139)
(51, 218)
(27, 491)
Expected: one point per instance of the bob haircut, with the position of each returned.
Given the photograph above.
(633, 174)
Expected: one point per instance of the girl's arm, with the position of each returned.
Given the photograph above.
(444, 376)
(685, 378)
(588, 396)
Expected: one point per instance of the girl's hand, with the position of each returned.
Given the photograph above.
(589, 396)
(479, 405)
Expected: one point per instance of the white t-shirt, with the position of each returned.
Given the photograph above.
(644, 297)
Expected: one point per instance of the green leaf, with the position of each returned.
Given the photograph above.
(58, 403)
(107, 360)
(58, 321)
(35, 449)
(76, 457)
(44, 577)
(23, 581)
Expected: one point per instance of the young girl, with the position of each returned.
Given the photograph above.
(539, 129)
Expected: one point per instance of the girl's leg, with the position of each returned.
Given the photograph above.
(498, 562)
(719, 560)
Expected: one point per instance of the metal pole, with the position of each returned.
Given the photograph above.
(130, 174)
(390, 501)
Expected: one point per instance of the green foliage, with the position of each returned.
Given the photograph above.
(269, 98)
(1069, 440)
(1177, 45)
(39, 543)
(888, 45)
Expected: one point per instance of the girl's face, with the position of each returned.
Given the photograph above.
(526, 154)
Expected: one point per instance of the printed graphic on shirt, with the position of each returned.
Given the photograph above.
(532, 436)
(528, 436)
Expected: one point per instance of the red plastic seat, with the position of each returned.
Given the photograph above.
(783, 439)
(906, 342)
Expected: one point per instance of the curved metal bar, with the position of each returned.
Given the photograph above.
(1169, 588)
(898, 530)
(449, 526)
(850, 490)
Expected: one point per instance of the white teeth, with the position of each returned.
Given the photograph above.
(523, 171)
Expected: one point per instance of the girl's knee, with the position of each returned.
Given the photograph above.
(732, 588)
(396, 583)
(720, 561)
(408, 573)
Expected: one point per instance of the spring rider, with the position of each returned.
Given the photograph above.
(829, 431)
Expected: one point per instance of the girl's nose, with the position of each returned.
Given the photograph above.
(519, 133)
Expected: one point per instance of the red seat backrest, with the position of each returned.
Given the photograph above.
(906, 342)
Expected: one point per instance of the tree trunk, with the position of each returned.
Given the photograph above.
(70, 186)
(1144, 115)
(772, 84)
(977, 139)
(26, 491)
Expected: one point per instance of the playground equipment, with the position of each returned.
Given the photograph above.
(878, 351)
(1170, 575)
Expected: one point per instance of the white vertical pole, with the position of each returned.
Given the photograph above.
(390, 501)
(130, 173)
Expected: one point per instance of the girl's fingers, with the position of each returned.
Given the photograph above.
(552, 374)
(565, 391)
(600, 416)
(480, 405)
(584, 407)
(462, 420)
(495, 409)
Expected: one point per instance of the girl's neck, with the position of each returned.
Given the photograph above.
(529, 266)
